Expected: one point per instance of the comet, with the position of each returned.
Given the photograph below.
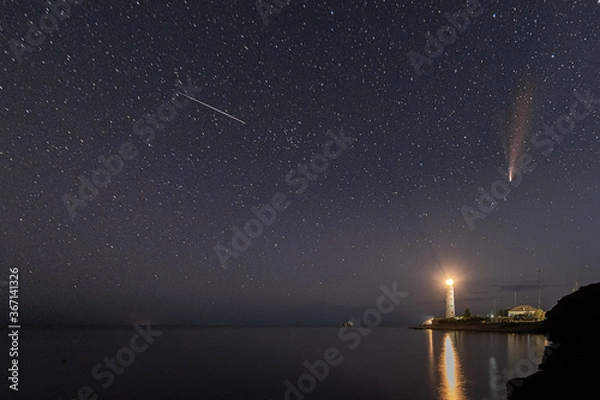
(510, 174)
(212, 108)
(520, 122)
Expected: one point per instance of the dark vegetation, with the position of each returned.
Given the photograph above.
(570, 366)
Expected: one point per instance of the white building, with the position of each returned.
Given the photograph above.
(450, 309)
(522, 309)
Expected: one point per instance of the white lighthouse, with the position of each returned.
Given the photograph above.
(450, 311)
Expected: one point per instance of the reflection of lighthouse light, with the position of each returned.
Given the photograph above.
(450, 359)
(452, 386)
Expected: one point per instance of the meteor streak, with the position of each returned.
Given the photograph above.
(212, 108)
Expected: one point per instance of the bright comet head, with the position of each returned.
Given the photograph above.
(449, 282)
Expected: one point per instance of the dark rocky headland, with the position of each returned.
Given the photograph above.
(570, 366)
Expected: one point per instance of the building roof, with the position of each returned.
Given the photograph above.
(523, 307)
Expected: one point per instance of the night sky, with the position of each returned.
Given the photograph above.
(392, 204)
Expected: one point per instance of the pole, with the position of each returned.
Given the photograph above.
(539, 288)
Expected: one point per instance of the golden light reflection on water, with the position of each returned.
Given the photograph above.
(431, 356)
(452, 379)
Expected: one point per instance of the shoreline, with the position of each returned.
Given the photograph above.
(496, 327)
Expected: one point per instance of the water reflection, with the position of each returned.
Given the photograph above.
(431, 360)
(496, 388)
(452, 379)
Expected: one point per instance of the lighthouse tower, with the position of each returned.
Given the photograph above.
(450, 311)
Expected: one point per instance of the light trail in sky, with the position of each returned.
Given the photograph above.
(521, 119)
(212, 108)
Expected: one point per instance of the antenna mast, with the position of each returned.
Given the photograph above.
(539, 271)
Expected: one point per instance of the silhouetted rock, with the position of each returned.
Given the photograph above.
(571, 364)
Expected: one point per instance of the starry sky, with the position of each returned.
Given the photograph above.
(389, 208)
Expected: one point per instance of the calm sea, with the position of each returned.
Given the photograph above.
(254, 363)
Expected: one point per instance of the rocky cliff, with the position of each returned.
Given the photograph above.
(570, 367)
